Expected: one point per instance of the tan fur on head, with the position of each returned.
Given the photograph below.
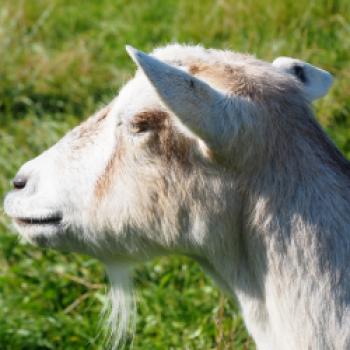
(227, 78)
(105, 180)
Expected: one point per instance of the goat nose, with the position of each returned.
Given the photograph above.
(19, 182)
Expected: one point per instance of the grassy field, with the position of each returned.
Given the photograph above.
(60, 61)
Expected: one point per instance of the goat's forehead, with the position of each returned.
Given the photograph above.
(187, 55)
(225, 70)
(135, 97)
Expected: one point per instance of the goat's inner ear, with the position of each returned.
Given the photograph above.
(148, 121)
(298, 71)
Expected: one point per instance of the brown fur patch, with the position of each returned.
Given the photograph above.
(166, 142)
(173, 146)
(195, 69)
(149, 120)
(226, 77)
(105, 180)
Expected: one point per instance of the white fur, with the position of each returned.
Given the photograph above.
(260, 199)
(120, 311)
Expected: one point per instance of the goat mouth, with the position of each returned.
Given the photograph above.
(49, 220)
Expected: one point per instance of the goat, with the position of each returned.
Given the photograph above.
(218, 156)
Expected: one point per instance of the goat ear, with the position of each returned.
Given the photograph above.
(194, 102)
(316, 81)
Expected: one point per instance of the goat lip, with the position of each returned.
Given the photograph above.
(48, 220)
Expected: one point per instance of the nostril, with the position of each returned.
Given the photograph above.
(19, 182)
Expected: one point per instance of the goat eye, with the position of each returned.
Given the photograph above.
(150, 120)
(139, 127)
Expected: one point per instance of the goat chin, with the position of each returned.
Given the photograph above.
(120, 310)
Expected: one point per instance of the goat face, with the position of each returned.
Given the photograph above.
(155, 170)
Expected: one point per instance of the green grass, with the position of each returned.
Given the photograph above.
(61, 60)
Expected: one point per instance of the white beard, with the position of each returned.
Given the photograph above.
(120, 310)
